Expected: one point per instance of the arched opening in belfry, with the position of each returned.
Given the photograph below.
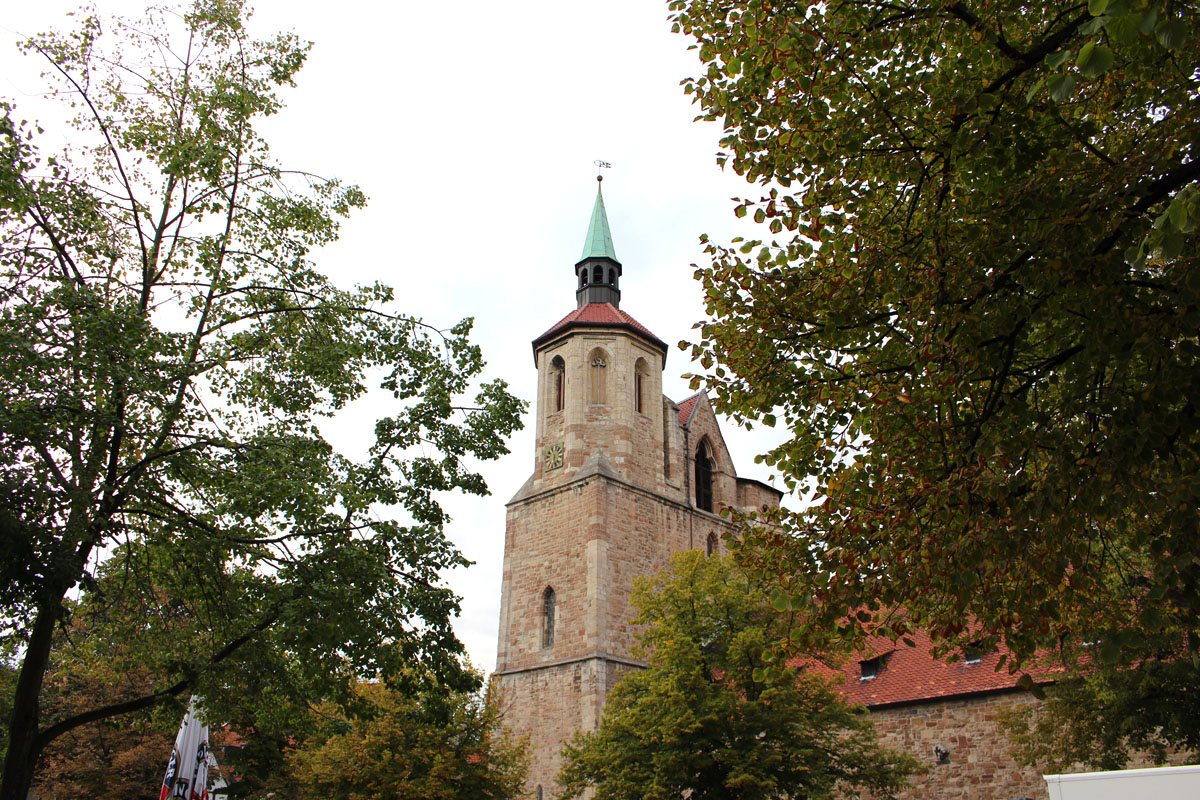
(641, 379)
(558, 384)
(598, 378)
(597, 274)
(704, 477)
(612, 277)
(549, 610)
(583, 277)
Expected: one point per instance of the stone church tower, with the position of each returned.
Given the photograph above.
(622, 478)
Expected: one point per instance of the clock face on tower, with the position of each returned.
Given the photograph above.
(553, 457)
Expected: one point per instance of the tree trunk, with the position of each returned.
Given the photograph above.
(24, 744)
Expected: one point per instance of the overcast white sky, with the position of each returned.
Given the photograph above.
(473, 127)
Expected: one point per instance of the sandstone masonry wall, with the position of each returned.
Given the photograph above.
(978, 766)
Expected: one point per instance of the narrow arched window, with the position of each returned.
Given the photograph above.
(597, 367)
(710, 546)
(640, 377)
(548, 612)
(583, 277)
(704, 471)
(539, 792)
(612, 276)
(597, 274)
(558, 383)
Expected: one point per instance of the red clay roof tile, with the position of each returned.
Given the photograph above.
(602, 315)
(687, 407)
(911, 674)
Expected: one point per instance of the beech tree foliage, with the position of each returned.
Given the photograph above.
(1101, 714)
(712, 718)
(169, 353)
(975, 307)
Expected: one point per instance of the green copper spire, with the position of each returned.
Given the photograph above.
(599, 243)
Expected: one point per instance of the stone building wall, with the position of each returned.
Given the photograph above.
(977, 765)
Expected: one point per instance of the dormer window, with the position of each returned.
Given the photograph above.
(870, 669)
(974, 652)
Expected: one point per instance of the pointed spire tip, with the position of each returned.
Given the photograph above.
(598, 243)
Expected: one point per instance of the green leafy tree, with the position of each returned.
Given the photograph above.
(169, 354)
(1102, 715)
(429, 745)
(980, 319)
(712, 716)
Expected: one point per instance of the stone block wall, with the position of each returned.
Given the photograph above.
(977, 765)
(547, 705)
(633, 441)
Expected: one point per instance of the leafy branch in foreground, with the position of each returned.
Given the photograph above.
(981, 323)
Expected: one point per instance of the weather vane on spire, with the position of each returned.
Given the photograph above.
(601, 165)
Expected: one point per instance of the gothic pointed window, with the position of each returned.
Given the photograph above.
(597, 367)
(558, 384)
(640, 375)
(548, 612)
(704, 477)
(710, 545)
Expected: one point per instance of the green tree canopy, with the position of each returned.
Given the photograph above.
(980, 319)
(428, 745)
(1103, 714)
(710, 716)
(170, 352)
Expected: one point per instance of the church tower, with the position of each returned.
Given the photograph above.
(622, 478)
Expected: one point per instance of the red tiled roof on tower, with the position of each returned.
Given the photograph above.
(599, 315)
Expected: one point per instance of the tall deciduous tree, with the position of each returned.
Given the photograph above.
(711, 717)
(169, 354)
(980, 320)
